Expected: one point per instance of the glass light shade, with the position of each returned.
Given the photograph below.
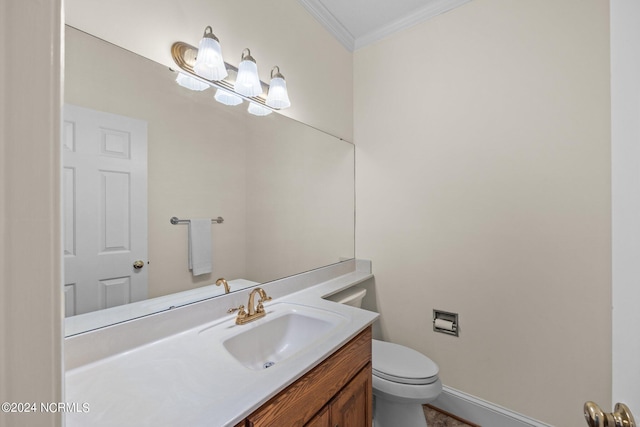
(209, 63)
(189, 82)
(248, 83)
(258, 110)
(278, 96)
(227, 98)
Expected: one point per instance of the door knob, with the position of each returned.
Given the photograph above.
(620, 417)
(138, 264)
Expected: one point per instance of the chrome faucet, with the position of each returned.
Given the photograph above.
(255, 312)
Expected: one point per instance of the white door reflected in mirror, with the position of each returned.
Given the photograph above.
(104, 209)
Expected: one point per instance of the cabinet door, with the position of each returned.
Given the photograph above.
(320, 420)
(352, 406)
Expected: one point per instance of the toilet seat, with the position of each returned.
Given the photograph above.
(399, 364)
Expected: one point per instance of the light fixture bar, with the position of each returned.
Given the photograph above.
(184, 55)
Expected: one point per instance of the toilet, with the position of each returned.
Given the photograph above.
(403, 379)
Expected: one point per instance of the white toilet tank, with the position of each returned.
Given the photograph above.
(351, 296)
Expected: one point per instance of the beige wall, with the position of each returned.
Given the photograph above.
(300, 199)
(30, 256)
(483, 188)
(319, 71)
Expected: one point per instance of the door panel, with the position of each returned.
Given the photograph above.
(352, 406)
(104, 208)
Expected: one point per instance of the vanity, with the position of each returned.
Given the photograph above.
(306, 362)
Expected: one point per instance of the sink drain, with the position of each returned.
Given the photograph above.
(268, 364)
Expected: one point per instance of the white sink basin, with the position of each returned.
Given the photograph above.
(286, 330)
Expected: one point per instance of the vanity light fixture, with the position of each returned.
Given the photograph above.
(189, 82)
(278, 96)
(227, 98)
(247, 83)
(258, 110)
(209, 63)
(204, 67)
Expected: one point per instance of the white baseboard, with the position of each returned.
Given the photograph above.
(480, 411)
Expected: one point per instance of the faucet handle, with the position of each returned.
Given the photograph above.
(241, 311)
(263, 298)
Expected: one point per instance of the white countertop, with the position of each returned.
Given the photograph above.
(184, 380)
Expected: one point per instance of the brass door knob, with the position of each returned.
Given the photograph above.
(138, 264)
(620, 417)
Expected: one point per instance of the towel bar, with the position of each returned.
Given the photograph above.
(174, 220)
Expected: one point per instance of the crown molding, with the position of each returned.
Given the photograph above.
(433, 9)
(326, 18)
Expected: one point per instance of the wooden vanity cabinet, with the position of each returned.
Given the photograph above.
(351, 407)
(336, 393)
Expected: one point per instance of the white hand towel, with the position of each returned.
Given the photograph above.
(200, 246)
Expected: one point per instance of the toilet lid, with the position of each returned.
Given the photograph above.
(401, 364)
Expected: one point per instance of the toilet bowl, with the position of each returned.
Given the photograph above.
(403, 379)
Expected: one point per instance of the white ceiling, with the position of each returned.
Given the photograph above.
(357, 23)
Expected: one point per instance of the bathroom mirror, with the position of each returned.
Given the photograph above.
(284, 189)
